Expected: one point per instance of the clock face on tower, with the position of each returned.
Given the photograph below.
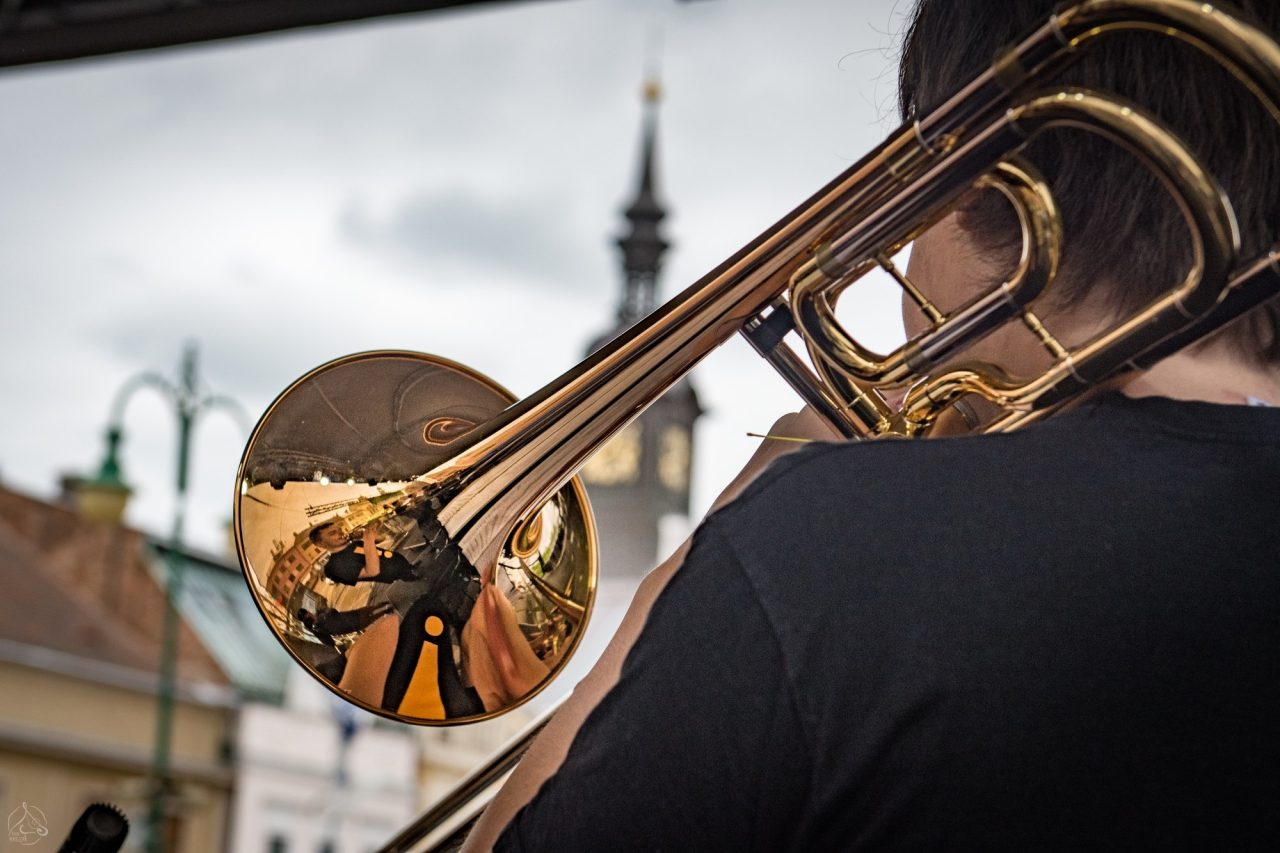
(673, 458)
(618, 462)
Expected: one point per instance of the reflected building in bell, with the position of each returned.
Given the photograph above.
(292, 569)
(642, 476)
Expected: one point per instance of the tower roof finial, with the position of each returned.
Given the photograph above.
(652, 91)
(643, 247)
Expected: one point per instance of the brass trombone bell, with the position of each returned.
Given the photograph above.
(334, 462)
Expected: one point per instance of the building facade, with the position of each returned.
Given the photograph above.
(80, 639)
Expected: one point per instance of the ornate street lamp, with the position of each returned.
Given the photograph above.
(189, 402)
(102, 497)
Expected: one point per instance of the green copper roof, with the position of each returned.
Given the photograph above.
(217, 605)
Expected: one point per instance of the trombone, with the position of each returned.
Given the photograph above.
(491, 480)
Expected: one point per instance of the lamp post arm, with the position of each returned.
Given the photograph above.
(136, 383)
(232, 407)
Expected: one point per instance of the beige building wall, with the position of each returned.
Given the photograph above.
(66, 742)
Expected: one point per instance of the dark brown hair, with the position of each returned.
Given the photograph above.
(314, 535)
(1121, 227)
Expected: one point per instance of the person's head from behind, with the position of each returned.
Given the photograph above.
(307, 618)
(1125, 242)
(329, 536)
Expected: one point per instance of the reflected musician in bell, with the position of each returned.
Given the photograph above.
(380, 665)
(1059, 638)
(328, 622)
(432, 598)
(354, 560)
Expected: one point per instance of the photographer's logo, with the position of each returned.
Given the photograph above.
(27, 825)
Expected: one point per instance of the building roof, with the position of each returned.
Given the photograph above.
(93, 590)
(217, 604)
(83, 573)
(37, 610)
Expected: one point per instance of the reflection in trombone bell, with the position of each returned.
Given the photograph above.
(377, 612)
(328, 622)
(430, 641)
(352, 559)
(350, 526)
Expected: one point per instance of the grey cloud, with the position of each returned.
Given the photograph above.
(257, 332)
(508, 236)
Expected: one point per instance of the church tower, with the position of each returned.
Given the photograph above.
(642, 474)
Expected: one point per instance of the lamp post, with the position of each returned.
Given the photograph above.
(189, 402)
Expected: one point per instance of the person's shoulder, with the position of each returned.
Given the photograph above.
(886, 463)
(893, 465)
(886, 482)
(342, 567)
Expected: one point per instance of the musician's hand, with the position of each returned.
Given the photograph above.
(804, 424)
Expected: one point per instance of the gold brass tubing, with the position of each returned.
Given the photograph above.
(1248, 52)
(910, 159)
(864, 404)
(1037, 327)
(813, 296)
(482, 781)
(1210, 220)
(909, 287)
(1256, 282)
(766, 333)
(1214, 240)
(1245, 50)
(1252, 285)
(819, 395)
(1041, 229)
(518, 459)
(926, 401)
(572, 610)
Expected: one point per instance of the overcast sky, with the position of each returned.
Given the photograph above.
(448, 182)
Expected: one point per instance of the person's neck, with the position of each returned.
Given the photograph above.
(1208, 375)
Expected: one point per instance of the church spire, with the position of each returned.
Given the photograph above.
(642, 475)
(643, 247)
